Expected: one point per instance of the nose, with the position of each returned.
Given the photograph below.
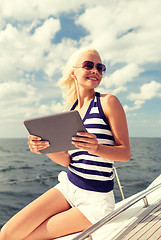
(94, 69)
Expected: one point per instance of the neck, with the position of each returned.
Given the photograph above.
(84, 97)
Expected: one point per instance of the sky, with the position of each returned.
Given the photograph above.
(37, 38)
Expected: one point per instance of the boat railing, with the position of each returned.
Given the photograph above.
(142, 196)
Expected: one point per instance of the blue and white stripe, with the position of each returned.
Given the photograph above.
(89, 171)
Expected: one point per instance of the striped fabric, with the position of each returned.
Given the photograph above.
(89, 171)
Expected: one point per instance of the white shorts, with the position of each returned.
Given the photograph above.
(94, 205)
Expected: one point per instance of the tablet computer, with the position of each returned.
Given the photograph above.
(58, 129)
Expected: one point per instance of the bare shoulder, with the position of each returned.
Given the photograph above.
(110, 103)
(109, 100)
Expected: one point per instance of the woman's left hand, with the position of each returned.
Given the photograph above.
(86, 141)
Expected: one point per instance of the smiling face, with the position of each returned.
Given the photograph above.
(88, 79)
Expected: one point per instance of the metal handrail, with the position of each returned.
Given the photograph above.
(112, 215)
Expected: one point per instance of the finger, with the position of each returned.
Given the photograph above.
(86, 134)
(34, 150)
(38, 143)
(36, 146)
(85, 139)
(85, 146)
(33, 137)
(81, 145)
(90, 148)
(84, 142)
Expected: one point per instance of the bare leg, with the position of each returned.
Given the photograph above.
(34, 214)
(68, 222)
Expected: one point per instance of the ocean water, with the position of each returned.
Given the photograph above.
(24, 176)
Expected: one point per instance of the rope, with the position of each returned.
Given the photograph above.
(26, 180)
(38, 178)
(134, 183)
(126, 165)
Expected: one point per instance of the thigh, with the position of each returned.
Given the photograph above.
(29, 218)
(64, 223)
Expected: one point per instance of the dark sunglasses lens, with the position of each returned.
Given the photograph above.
(101, 68)
(88, 65)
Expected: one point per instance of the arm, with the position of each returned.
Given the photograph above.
(35, 145)
(62, 158)
(117, 119)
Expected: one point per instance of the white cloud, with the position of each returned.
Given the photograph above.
(29, 10)
(117, 90)
(15, 98)
(148, 91)
(125, 33)
(127, 108)
(122, 76)
(22, 51)
(46, 32)
(105, 23)
(57, 56)
(18, 93)
(54, 107)
(19, 101)
(38, 45)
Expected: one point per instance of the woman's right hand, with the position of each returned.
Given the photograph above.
(36, 144)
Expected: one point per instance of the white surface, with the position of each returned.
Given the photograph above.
(110, 230)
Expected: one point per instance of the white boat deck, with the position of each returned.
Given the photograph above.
(147, 226)
(136, 222)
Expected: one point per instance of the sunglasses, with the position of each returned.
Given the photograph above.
(89, 65)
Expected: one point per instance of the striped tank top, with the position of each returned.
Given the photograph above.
(89, 171)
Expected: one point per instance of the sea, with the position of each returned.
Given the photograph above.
(24, 175)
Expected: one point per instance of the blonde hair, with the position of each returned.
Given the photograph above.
(67, 82)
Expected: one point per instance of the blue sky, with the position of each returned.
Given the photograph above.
(37, 38)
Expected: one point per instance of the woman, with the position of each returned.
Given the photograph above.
(85, 194)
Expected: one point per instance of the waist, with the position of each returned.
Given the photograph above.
(92, 184)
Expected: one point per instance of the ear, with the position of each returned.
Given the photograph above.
(72, 74)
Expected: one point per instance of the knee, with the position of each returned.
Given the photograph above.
(6, 235)
(3, 234)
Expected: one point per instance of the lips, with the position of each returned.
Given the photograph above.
(92, 78)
